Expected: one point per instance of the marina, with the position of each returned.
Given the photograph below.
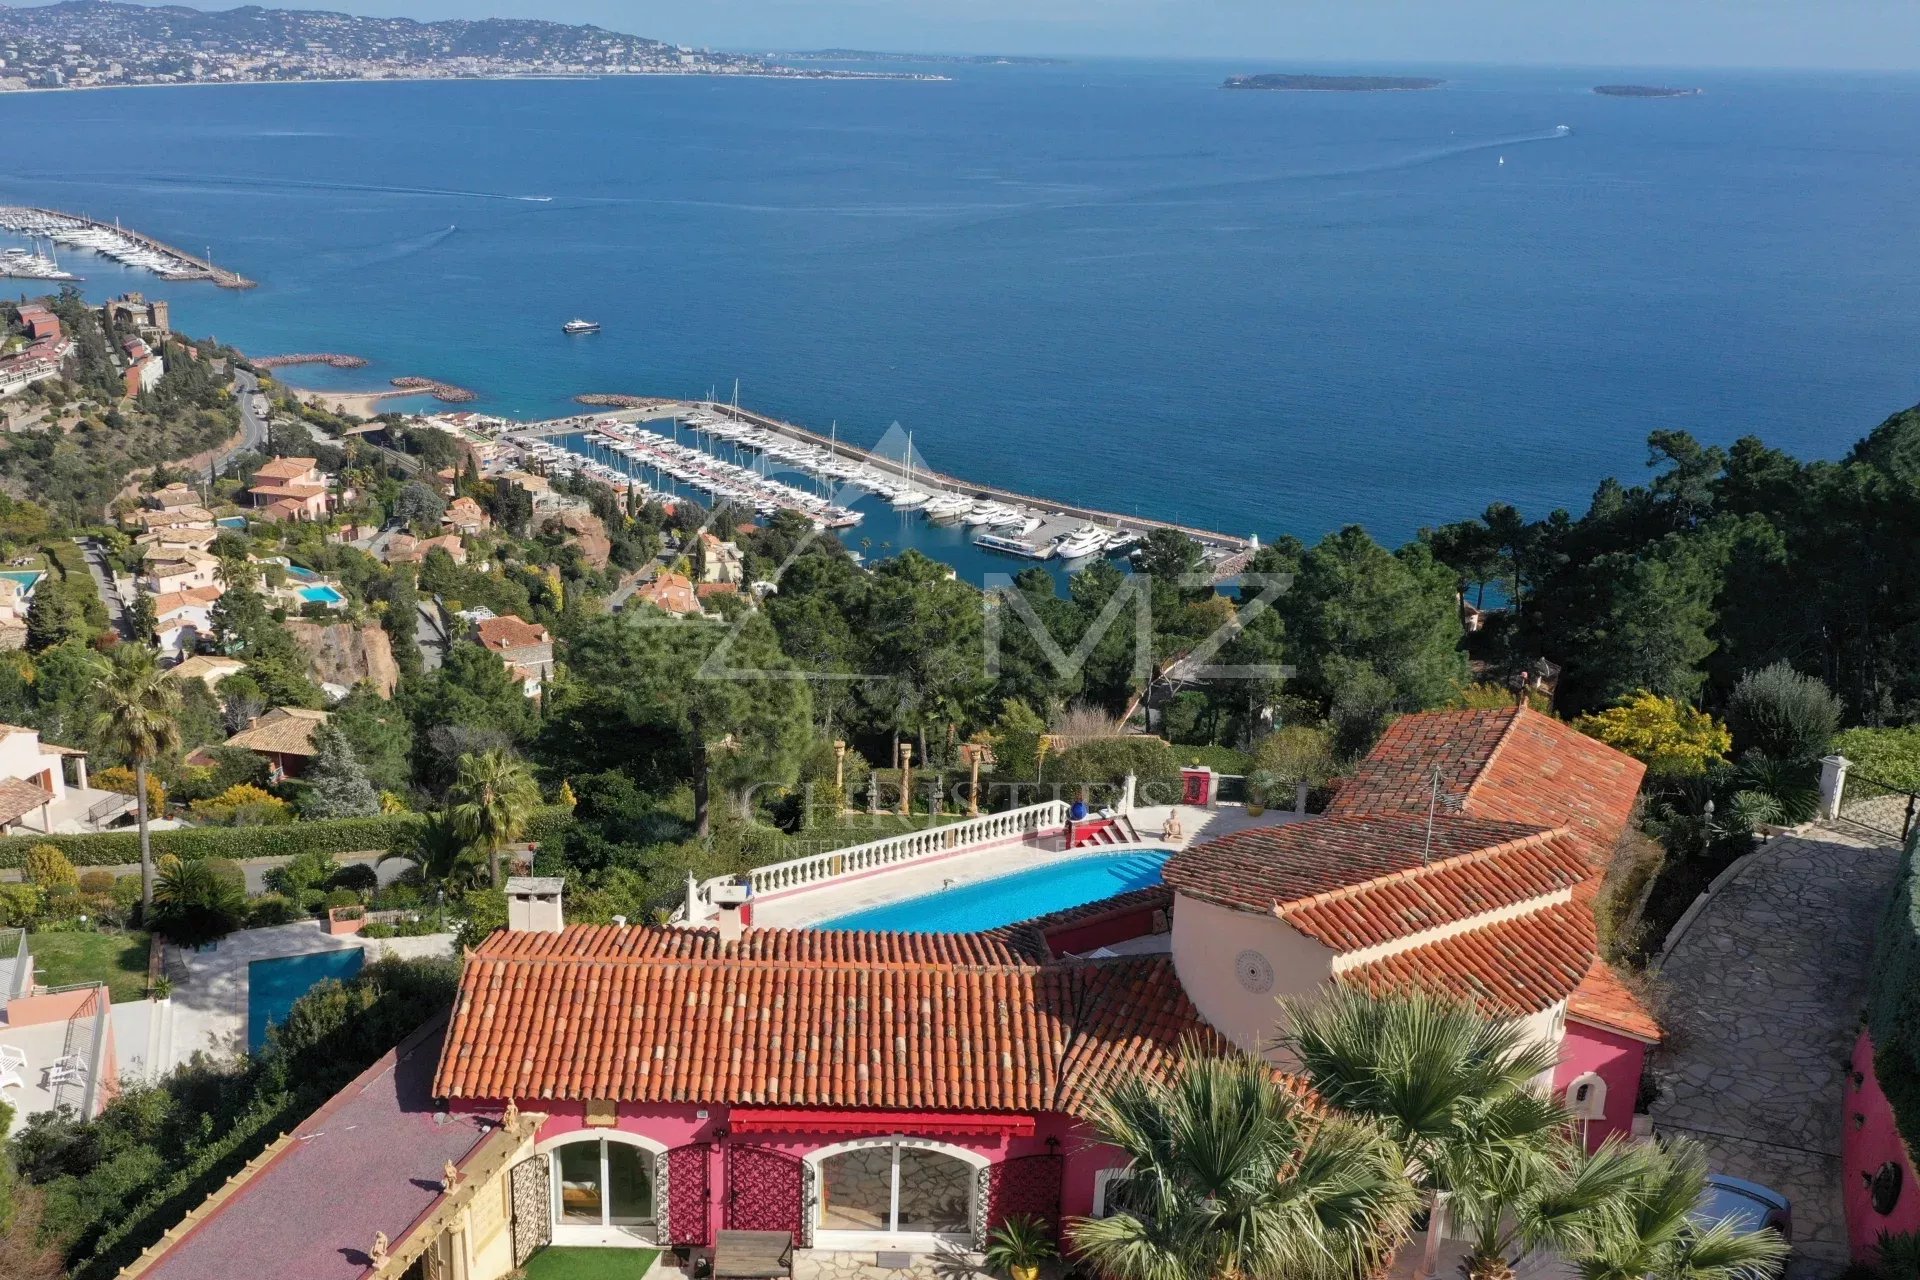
(722, 452)
(112, 241)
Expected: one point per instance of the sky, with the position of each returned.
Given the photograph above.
(1855, 34)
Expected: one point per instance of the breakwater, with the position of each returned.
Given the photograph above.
(445, 392)
(331, 359)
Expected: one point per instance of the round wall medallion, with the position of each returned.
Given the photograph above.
(1254, 970)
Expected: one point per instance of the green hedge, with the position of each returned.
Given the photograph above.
(339, 835)
(1893, 1001)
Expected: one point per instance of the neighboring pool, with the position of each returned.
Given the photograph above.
(988, 904)
(322, 594)
(25, 577)
(273, 985)
(232, 522)
(299, 574)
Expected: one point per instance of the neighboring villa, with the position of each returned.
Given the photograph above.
(168, 566)
(672, 592)
(291, 489)
(464, 516)
(16, 599)
(887, 1094)
(36, 796)
(283, 737)
(404, 548)
(183, 619)
(208, 668)
(526, 648)
(721, 561)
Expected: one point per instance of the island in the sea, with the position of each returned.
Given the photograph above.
(1643, 91)
(1332, 84)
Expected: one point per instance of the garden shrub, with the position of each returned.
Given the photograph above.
(270, 909)
(359, 877)
(122, 779)
(1782, 714)
(21, 905)
(1890, 757)
(243, 805)
(96, 882)
(50, 869)
(337, 898)
(378, 929)
(1105, 763)
(1665, 734)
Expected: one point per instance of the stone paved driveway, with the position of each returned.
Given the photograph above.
(1763, 999)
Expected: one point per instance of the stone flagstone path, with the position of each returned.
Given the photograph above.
(1762, 1004)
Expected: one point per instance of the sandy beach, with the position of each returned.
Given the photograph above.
(357, 404)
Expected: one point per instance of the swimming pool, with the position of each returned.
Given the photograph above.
(273, 985)
(25, 577)
(321, 594)
(299, 574)
(232, 522)
(988, 904)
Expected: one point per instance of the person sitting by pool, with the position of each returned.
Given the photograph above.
(1170, 829)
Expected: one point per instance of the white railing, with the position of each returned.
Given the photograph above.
(933, 842)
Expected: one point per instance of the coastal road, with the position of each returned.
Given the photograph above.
(253, 424)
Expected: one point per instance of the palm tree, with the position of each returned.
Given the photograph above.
(136, 715)
(1659, 1234)
(1451, 1089)
(1233, 1177)
(490, 801)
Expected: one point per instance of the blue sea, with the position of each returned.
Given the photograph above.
(1109, 282)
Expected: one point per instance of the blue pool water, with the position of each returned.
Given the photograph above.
(987, 904)
(232, 522)
(299, 574)
(25, 577)
(273, 985)
(321, 595)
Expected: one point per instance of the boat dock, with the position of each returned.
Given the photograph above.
(1226, 554)
(117, 242)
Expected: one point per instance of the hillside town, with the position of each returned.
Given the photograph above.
(78, 44)
(426, 850)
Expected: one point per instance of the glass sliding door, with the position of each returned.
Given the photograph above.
(602, 1184)
(896, 1188)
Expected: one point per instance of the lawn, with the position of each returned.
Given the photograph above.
(118, 959)
(590, 1264)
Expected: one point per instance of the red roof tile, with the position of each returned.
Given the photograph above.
(804, 1018)
(1410, 902)
(1260, 868)
(1602, 1000)
(1514, 764)
(511, 632)
(1511, 968)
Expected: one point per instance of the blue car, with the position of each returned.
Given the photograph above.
(1750, 1205)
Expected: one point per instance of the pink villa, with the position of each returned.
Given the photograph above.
(892, 1096)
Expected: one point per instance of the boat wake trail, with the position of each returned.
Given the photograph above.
(215, 182)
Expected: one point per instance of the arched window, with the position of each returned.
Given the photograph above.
(897, 1186)
(603, 1188)
(1587, 1097)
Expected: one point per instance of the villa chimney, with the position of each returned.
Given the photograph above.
(733, 912)
(533, 904)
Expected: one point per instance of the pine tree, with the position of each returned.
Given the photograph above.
(337, 787)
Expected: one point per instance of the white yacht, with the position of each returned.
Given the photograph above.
(1081, 543)
(990, 513)
(948, 506)
(1013, 544)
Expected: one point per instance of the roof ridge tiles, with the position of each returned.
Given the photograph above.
(1539, 836)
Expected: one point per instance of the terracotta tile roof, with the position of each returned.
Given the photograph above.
(1510, 968)
(285, 469)
(799, 1017)
(1602, 1000)
(1512, 764)
(169, 603)
(1030, 936)
(286, 731)
(18, 798)
(1441, 893)
(511, 632)
(1260, 868)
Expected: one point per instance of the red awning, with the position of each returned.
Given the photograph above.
(906, 1123)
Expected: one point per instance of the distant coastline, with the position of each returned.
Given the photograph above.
(949, 59)
(895, 76)
(1332, 84)
(1643, 91)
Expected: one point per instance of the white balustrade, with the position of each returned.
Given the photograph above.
(861, 858)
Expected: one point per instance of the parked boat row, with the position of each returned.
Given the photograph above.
(126, 247)
(720, 479)
(31, 264)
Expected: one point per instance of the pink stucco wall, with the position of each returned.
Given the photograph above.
(674, 1125)
(1869, 1139)
(1617, 1060)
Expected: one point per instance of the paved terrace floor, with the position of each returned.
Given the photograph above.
(1763, 998)
(836, 898)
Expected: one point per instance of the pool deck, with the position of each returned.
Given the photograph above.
(835, 898)
(208, 1010)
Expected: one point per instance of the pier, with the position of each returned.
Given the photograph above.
(117, 242)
